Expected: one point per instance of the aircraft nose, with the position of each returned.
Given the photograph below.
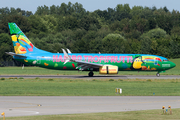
(173, 65)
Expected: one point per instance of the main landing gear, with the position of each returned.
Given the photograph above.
(91, 74)
(158, 75)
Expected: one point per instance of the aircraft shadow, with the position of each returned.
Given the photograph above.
(103, 76)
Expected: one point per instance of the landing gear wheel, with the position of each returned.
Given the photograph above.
(91, 74)
(158, 75)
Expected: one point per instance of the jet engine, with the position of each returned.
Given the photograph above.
(108, 70)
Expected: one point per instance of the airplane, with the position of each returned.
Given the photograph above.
(27, 53)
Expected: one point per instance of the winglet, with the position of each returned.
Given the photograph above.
(67, 56)
(68, 50)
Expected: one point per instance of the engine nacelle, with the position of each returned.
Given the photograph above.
(108, 70)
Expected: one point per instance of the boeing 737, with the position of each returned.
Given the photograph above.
(27, 53)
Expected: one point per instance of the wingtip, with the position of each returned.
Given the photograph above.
(68, 50)
(66, 55)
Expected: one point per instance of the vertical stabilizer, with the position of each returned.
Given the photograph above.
(21, 43)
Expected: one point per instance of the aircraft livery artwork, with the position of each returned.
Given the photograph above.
(27, 53)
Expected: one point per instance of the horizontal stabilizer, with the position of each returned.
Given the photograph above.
(14, 54)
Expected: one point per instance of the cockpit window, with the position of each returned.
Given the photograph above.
(165, 60)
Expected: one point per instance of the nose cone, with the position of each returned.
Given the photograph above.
(173, 65)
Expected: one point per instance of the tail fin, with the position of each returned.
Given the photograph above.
(21, 43)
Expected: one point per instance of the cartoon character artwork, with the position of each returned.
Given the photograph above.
(136, 63)
(46, 64)
(25, 42)
(149, 62)
(17, 46)
(21, 44)
(151, 59)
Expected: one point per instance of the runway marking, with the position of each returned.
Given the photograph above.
(34, 112)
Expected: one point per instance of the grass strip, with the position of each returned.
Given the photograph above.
(88, 87)
(130, 115)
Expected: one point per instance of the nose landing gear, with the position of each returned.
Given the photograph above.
(158, 75)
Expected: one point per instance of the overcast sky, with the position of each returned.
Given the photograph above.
(90, 5)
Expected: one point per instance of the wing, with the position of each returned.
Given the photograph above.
(81, 64)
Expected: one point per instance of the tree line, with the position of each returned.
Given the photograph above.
(139, 30)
